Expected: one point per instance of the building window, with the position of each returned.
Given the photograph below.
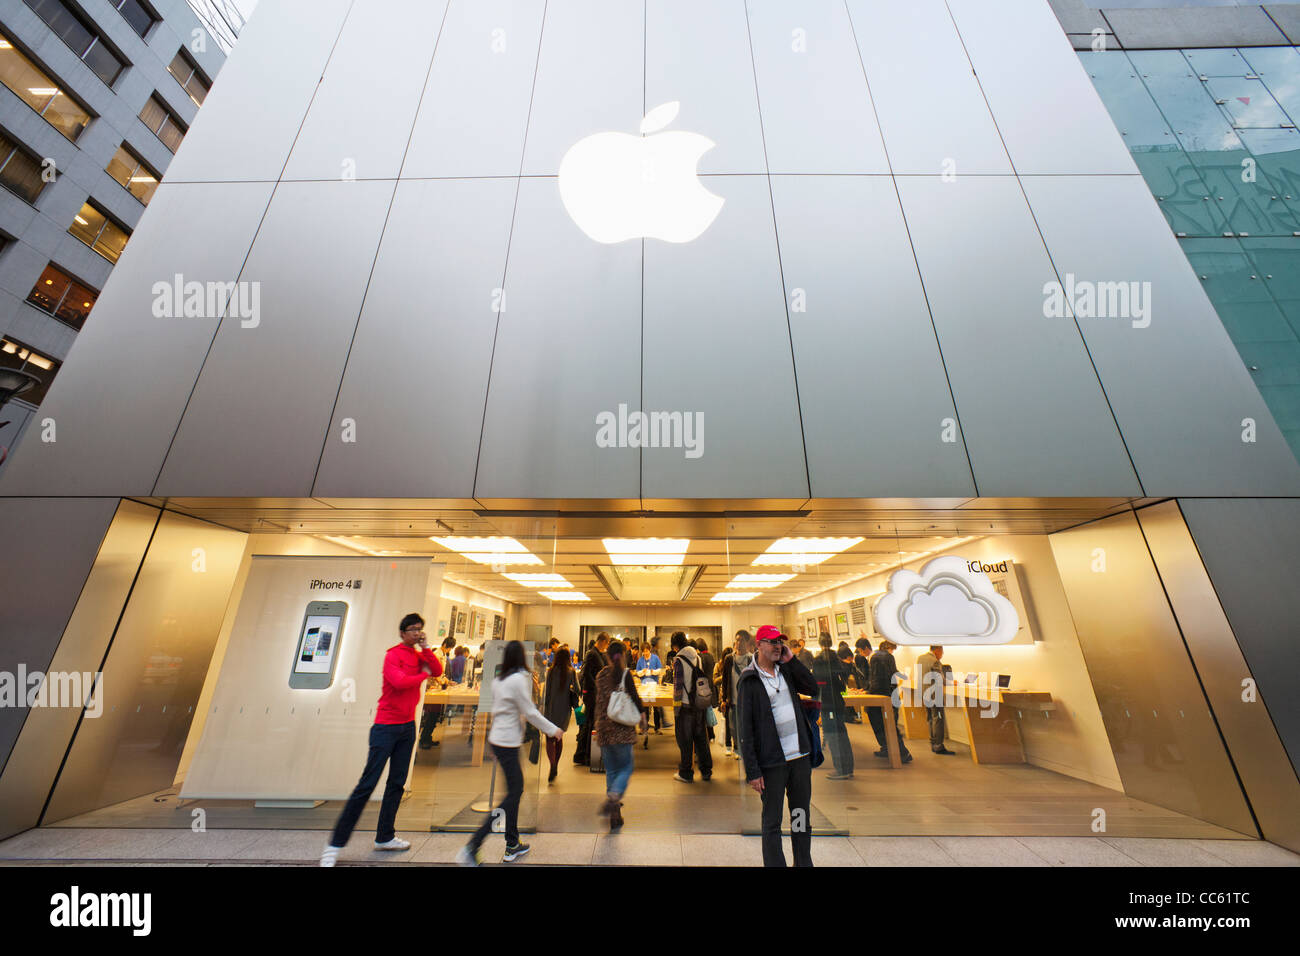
(13, 354)
(81, 37)
(135, 13)
(129, 170)
(189, 76)
(19, 172)
(162, 123)
(31, 85)
(99, 232)
(62, 296)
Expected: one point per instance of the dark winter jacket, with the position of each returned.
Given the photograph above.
(759, 745)
(592, 665)
(883, 668)
(831, 675)
(558, 707)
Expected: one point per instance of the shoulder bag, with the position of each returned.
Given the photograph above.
(622, 709)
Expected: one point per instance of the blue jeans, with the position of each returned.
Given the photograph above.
(618, 767)
(389, 744)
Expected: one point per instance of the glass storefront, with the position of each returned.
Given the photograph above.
(1069, 705)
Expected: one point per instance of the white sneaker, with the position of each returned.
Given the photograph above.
(678, 776)
(330, 856)
(396, 843)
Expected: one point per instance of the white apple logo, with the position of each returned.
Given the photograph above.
(618, 186)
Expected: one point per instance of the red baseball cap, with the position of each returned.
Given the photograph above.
(768, 633)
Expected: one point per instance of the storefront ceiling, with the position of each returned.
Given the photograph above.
(724, 542)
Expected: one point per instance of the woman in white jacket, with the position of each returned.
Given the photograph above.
(512, 703)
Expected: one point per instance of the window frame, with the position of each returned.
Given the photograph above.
(154, 19)
(72, 281)
(60, 89)
(96, 40)
(195, 71)
(108, 220)
(19, 147)
(140, 165)
(19, 346)
(169, 114)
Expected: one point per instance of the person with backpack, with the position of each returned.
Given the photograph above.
(618, 712)
(707, 665)
(692, 697)
(777, 743)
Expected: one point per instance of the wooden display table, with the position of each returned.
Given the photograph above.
(458, 695)
(859, 698)
(993, 739)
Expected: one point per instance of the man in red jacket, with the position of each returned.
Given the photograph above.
(406, 667)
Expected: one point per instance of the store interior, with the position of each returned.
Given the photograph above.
(1075, 746)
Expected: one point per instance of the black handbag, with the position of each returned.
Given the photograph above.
(531, 733)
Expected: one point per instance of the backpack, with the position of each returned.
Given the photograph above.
(700, 691)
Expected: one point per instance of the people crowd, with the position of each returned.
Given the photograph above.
(776, 702)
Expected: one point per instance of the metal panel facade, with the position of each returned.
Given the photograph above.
(925, 285)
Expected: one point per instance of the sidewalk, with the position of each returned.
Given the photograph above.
(72, 846)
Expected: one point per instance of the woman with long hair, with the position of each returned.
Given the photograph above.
(562, 693)
(617, 740)
(512, 704)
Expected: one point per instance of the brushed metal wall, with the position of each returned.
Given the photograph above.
(864, 318)
(1244, 714)
(1166, 743)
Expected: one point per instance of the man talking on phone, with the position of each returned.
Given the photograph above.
(775, 742)
(407, 665)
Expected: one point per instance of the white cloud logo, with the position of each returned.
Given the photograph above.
(947, 603)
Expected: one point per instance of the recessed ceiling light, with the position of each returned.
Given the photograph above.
(735, 596)
(540, 580)
(813, 545)
(758, 580)
(564, 595)
(790, 560)
(646, 551)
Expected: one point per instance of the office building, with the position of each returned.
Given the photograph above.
(95, 98)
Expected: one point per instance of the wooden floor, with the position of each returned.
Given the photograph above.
(932, 796)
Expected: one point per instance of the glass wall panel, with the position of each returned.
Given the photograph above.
(155, 669)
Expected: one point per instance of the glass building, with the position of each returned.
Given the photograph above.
(875, 322)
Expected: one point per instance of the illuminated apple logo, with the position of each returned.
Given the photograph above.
(617, 186)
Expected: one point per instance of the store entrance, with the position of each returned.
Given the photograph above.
(1040, 707)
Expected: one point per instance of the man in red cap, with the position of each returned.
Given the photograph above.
(776, 742)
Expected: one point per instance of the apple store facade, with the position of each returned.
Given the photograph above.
(553, 319)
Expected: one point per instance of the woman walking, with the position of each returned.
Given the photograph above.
(616, 738)
(562, 693)
(512, 703)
